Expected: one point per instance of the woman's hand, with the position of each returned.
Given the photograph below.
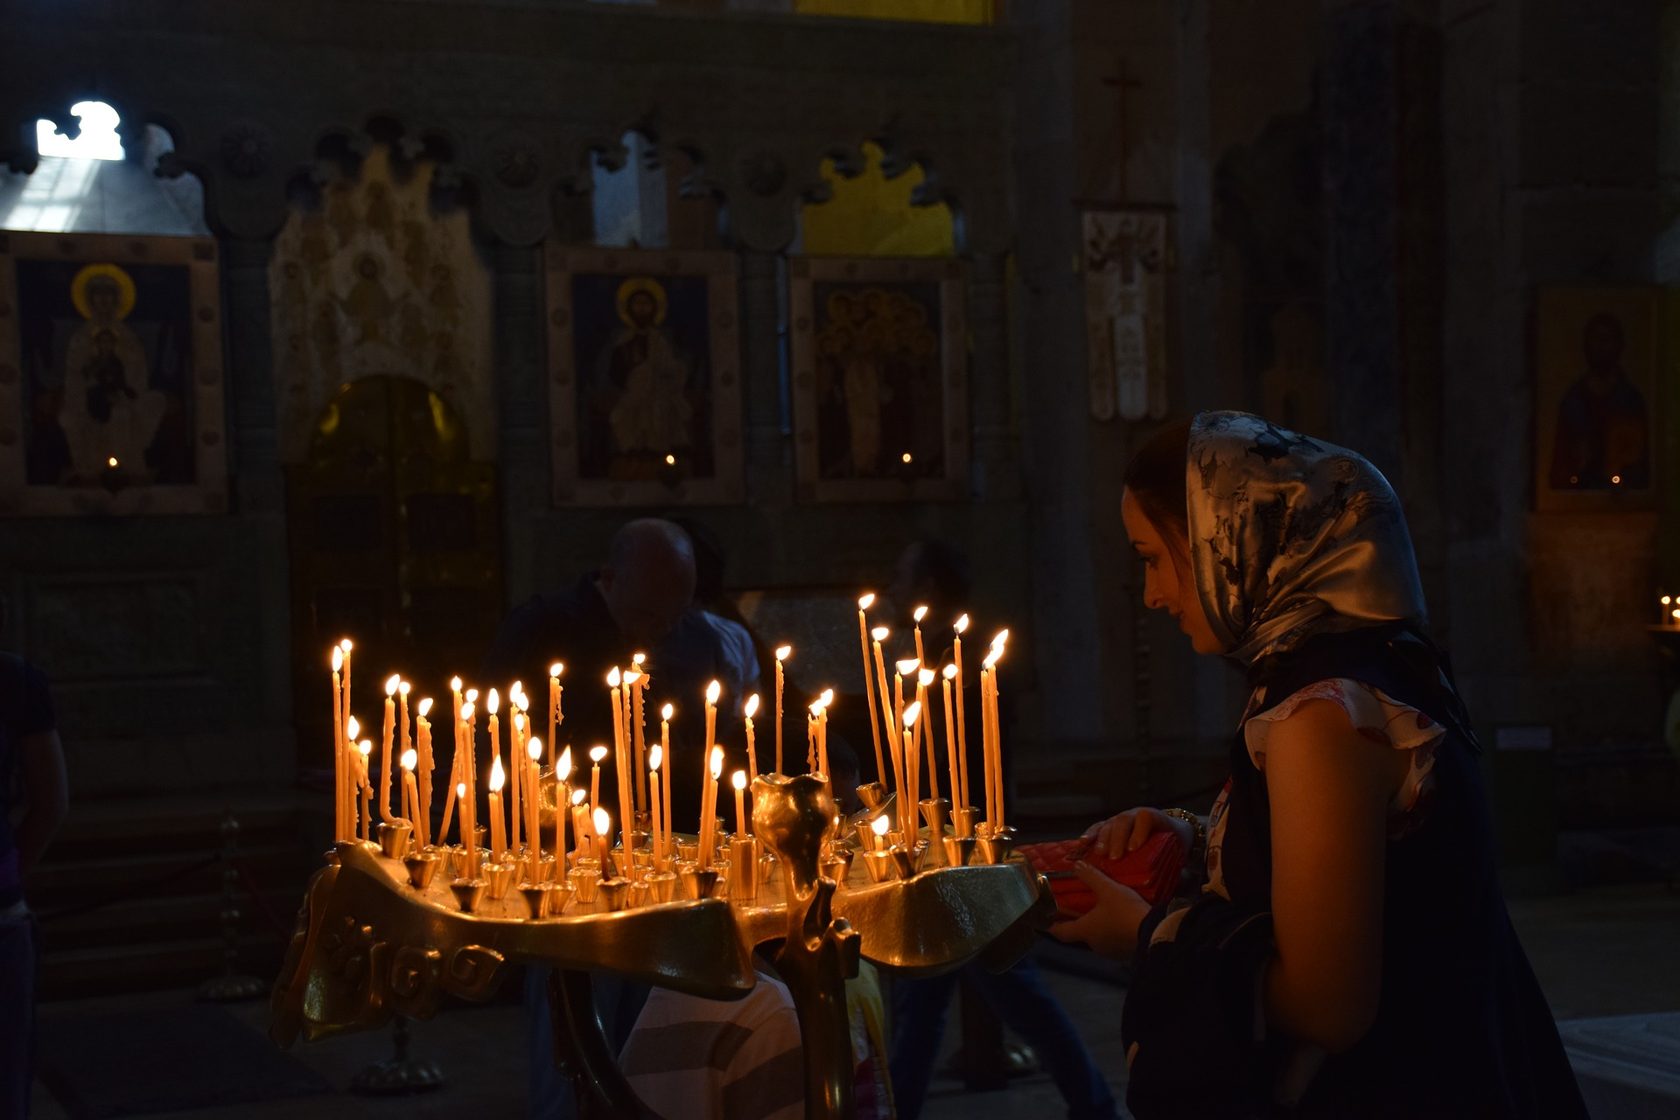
(1111, 926)
(1126, 831)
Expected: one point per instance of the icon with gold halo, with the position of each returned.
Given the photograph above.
(103, 292)
(652, 292)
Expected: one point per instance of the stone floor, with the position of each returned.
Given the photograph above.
(1602, 952)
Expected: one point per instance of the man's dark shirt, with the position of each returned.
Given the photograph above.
(25, 709)
(576, 628)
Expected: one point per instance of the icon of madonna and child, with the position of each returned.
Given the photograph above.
(108, 358)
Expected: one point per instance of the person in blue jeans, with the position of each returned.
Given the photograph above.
(934, 573)
(32, 779)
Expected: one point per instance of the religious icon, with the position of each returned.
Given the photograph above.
(118, 384)
(880, 386)
(1596, 356)
(644, 356)
(1126, 261)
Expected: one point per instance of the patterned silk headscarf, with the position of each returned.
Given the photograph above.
(1292, 537)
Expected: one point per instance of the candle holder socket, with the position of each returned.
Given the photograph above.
(615, 894)
(904, 861)
(543, 869)
(586, 882)
(688, 851)
(469, 893)
(697, 882)
(934, 810)
(394, 837)
(959, 850)
(878, 862)
(536, 898)
(662, 885)
(962, 819)
(873, 795)
(995, 847)
(500, 878)
(422, 867)
(639, 893)
(560, 896)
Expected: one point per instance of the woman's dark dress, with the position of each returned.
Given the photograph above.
(1462, 1029)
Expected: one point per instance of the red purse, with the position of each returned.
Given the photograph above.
(1151, 869)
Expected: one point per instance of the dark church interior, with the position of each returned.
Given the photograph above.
(761, 559)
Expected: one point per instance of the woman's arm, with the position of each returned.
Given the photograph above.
(46, 795)
(1330, 789)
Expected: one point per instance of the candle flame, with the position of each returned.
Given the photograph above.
(454, 684)
(425, 707)
(739, 779)
(596, 754)
(564, 766)
(460, 789)
(498, 776)
(518, 721)
(911, 713)
(1000, 638)
(346, 645)
(578, 795)
(1666, 600)
(906, 458)
(783, 652)
(603, 823)
(992, 658)
(919, 614)
(468, 710)
(656, 755)
(111, 462)
(880, 633)
(961, 625)
(352, 728)
(670, 460)
(951, 671)
(366, 747)
(666, 713)
(751, 708)
(717, 762)
(338, 655)
(827, 697)
(631, 676)
(492, 702)
(713, 691)
(636, 659)
(817, 707)
(524, 702)
(866, 601)
(557, 668)
(515, 689)
(880, 825)
(614, 677)
(907, 668)
(534, 748)
(391, 684)
(405, 688)
(472, 695)
(925, 677)
(410, 759)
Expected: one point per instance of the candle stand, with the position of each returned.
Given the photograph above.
(374, 940)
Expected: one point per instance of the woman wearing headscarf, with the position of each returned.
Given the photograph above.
(1348, 953)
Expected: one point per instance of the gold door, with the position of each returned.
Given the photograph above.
(394, 543)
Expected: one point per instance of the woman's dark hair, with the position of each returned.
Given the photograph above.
(1155, 477)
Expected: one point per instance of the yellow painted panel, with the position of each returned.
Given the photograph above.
(871, 216)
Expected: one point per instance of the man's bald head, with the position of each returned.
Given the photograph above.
(648, 578)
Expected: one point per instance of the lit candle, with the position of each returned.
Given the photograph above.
(498, 778)
(825, 701)
(516, 776)
(621, 761)
(341, 763)
(656, 755)
(889, 718)
(961, 627)
(555, 716)
(880, 826)
(988, 740)
(924, 677)
(410, 792)
(902, 669)
(603, 829)
(455, 696)
(782, 653)
(633, 681)
(1663, 611)
(533, 783)
(423, 733)
(708, 813)
(469, 778)
(665, 714)
(455, 780)
(713, 691)
(750, 710)
(403, 740)
(562, 805)
(909, 821)
(739, 781)
(919, 614)
(596, 754)
(580, 819)
(951, 738)
(387, 761)
(345, 647)
(864, 604)
(365, 749)
(492, 703)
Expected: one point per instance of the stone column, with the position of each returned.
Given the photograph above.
(768, 468)
(992, 455)
(521, 449)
